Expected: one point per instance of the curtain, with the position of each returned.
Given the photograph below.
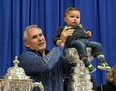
(15, 15)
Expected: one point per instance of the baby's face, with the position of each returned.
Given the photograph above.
(72, 18)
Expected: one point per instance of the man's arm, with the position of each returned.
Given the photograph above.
(33, 63)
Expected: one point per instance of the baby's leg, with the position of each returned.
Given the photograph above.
(98, 52)
(80, 46)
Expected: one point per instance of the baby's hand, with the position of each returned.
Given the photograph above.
(88, 34)
(58, 42)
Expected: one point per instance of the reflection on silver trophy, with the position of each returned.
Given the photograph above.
(80, 79)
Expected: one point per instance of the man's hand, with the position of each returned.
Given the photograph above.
(58, 42)
(65, 34)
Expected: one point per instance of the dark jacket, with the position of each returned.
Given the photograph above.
(106, 87)
(78, 33)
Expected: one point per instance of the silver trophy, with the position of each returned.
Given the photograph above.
(16, 80)
(80, 79)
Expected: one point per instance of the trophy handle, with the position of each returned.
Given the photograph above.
(38, 84)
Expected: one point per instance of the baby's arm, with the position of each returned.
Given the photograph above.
(88, 34)
(67, 31)
(58, 39)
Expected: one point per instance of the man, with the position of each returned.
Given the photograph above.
(42, 65)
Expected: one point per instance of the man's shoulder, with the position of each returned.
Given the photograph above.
(27, 54)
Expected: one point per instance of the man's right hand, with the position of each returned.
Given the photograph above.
(65, 34)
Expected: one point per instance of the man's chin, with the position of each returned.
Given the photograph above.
(42, 48)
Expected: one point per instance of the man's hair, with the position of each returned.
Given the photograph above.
(70, 9)
(110, 75)
(26, 30)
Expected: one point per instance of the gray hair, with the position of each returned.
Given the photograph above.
(26, 30)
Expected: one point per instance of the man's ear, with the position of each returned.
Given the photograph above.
(26, 44)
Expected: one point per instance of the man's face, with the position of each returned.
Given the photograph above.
(72, 18)
(35, 39)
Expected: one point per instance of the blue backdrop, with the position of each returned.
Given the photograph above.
(99, 16)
